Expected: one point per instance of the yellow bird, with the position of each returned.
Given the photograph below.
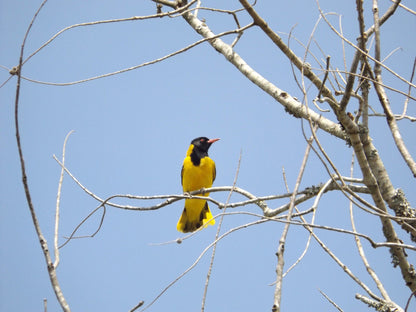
(198, 171)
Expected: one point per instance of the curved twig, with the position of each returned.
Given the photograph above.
(236, 31)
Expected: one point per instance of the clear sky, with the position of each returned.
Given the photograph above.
(132, 131)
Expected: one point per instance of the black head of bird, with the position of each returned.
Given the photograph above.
(201, 146)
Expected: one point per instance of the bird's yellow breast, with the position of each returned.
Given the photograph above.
(197, 177)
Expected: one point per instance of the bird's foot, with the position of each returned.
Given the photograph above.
(188, 194)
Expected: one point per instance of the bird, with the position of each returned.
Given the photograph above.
(198, 171)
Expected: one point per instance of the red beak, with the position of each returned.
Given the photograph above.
(212, 141)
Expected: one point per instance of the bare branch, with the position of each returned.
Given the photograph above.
(369, 79)
(365, 261)
(214, 248)
(282, 241)
(291, 104)
(328, 58)
(51, 269)
(289, 53)
(200, 257)
(128, 19)
(137, 306)
(58, 200)
(313, 209)
(379, 305)
(342, 265)
(385, 191)
(167, 3)
(403, 6)
(360, 51)
(361, 249)
(237, 31)
(389, 12)
(408, 301)
(305, 195)
(331, 301)
(408, 92)
(391, 120)
(72, 236)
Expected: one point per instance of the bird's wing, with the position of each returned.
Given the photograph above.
(182, 176)
(214, 172)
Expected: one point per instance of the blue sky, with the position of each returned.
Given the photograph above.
(131, 134)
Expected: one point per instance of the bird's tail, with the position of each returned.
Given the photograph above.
(195, 214)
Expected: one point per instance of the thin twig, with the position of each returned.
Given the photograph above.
(328, 58)
(340, 264)
(304, 223)
(379, 305)
(128, 19)
(363, 257)
(370, 80)
(330, 301)
(408, 92)
(58, 201)
(214, 248)
(404, 7)
(391, 120)
(284, 48)
(358, 50)
(72, 236)
(200, 257)
(142, 64)
(373, 244)
(361, 249)
(282, 241)
(198, 5)
(413, 294)
(137, 306)
(171, 4)
(342, 42)
(313, 208)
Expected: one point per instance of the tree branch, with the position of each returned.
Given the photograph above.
(58, 201)
(214, 248)
(374, 175)
(288, 52)
(282, 241)
(44, 245)
(290, 103)
(382, 96)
